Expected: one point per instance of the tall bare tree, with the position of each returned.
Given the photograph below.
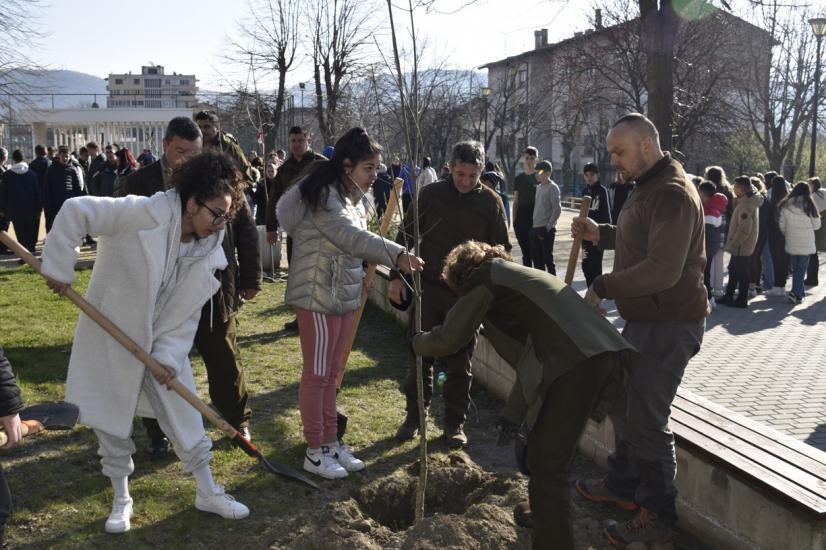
(339, 30)
(778, 107)
(270, 38)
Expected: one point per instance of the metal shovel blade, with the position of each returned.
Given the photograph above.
(274, 467)
(53, 416)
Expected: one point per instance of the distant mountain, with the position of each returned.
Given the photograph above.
(83, 87)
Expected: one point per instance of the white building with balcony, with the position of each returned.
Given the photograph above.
(152, 89)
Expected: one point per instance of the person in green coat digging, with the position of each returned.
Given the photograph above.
(570, 363)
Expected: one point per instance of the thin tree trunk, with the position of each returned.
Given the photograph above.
(421, 486)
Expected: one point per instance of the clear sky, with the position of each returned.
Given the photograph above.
(190, 36)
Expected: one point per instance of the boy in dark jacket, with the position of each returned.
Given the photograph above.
(20, 200)
(600, 212)
(11, 402)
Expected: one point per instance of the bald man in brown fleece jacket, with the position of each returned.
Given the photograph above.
(657, 283)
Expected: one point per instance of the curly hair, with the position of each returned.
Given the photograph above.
(208, 175)
(463, 259)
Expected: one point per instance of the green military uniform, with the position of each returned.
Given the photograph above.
(288, 174)
(227, 143)
(570, 362)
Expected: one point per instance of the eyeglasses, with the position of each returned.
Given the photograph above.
(220, 217)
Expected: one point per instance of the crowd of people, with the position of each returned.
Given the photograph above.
(178, 254)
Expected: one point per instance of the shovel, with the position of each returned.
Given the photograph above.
(46, 416)
(155, 367)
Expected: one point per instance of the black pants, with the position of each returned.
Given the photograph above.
(5, 503)
(552, 445)
(591, 261)
(26, 231)
(643, 465)
(227, 381)
(542, 249)
(811, 271)
(522, 226)
(436, 302)
(738, 277)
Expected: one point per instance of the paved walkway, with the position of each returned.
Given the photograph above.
(767, 362)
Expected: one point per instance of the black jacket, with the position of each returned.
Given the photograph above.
(11, 402)
(20, 195)
(39, 166)
(103, 182)
(240, 236)
(62, 183)
(600, 210)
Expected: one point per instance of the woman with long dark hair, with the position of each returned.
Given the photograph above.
(777, 242)
(325, 214)
(799, 219)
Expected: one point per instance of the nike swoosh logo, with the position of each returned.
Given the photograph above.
(314, 462)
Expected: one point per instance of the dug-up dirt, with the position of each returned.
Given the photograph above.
(467, 508)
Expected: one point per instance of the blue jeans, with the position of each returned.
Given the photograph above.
(799, 266)
(768, 266)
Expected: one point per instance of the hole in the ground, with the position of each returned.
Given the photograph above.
(450, 490)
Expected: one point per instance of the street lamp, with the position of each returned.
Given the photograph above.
(485, 94)
(302, 85)
(819, 28)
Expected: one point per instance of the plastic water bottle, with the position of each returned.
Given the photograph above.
(440, 381)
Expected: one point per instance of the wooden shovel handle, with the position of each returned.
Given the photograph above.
(27, 427)
(583, 213)
(124, 340)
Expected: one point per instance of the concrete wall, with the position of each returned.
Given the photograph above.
(718, 505)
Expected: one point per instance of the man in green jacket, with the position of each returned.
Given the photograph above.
(301, 156)
(241, 280)
(214, 138)
(657, 283)
(570, 365)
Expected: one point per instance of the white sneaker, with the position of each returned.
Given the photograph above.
(118, 521)
(345, 457)
(323, 462)
(218, 502)
(777, 291)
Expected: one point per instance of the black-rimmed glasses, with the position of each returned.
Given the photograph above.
(220, 217)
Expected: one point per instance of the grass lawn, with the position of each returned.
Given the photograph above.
(62, 499)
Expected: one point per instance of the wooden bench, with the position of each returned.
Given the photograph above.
(776, 463)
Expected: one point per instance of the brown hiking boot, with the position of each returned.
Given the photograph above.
(596, 490)
(642, 529)
(522, 514)
(454, 435)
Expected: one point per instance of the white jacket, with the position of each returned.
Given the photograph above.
(798, 228)
(144, 288)
(329, 245)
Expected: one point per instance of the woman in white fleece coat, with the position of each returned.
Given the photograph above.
(155, 269)
(799, 219)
